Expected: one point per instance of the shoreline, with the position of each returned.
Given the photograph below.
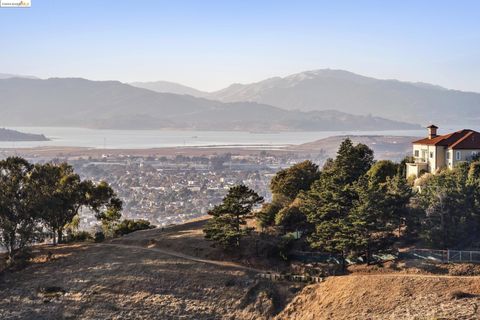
(382, 144)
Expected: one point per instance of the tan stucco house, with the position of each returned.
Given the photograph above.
(436, 152)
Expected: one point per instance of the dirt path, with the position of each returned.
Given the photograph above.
(245, 268)
(186, 257)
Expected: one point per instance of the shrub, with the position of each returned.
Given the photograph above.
(99, 236)
(127, 226)
(285, 245)
(80, 236)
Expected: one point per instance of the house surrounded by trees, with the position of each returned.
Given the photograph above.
(443, 151)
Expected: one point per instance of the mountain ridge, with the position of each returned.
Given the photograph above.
(116, 105)
(341, 90)
(356, 94)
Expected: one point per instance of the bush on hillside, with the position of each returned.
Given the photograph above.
(128, 226)
(79, 236)
(99, 236)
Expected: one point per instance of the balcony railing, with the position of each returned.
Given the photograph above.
(419, 160)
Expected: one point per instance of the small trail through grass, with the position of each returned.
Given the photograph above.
(228, 264)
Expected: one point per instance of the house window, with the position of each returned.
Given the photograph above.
(431, 155)
(458, 155)
(448, 155)
(417, 153)
(474, 154)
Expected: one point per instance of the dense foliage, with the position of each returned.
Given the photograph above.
(286, 185)
(228, 221)
(449, 203)
(356, 207)
(47, 197)
(289, 182)
(128, 226)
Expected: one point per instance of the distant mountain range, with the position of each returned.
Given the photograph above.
(351, 93)
(169, 87)
(13, 135)
(115, 105)
(8, 75)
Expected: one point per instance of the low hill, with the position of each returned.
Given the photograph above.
(115, 105)
(174, 273)
(384, 147)
(13, 135)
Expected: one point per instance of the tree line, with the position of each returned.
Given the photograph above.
(38, 200)
(356, 207)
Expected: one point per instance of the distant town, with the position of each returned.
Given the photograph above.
(170, 190)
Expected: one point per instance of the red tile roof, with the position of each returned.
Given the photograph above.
(463, 139)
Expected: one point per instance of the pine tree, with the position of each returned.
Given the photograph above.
(226, 226)
(299, 177)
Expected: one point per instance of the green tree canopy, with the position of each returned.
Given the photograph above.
(289, 182)
(18, 219)
(353, 206)
(381, 170)
(352, 161)
(451, 208)
(59, 197)
(226, 226)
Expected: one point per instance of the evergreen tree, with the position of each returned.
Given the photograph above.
(375, 214)
(354, 207)
(289, 182)
(291, 218)
(352, 162)
(59, 197)
(381, 170)
(18, 220)
(326, 207)
(449, 201)
(226, 226)
(266, 216)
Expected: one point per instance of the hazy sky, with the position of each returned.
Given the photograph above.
(211, 44)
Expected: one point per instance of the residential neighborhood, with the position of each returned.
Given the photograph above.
(173, 190)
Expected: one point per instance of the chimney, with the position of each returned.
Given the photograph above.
(432, 131)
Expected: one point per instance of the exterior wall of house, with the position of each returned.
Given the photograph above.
(461, 155)
(414, 169)
(449, 158)
(426, 154)
(432, 158)
(440, 159)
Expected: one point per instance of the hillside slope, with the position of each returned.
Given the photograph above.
(384, 147)
(13, 135)
(115, 105)
(174, 273)
(169, 87)
(136, 277)
(382, 297)
(351, 93)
